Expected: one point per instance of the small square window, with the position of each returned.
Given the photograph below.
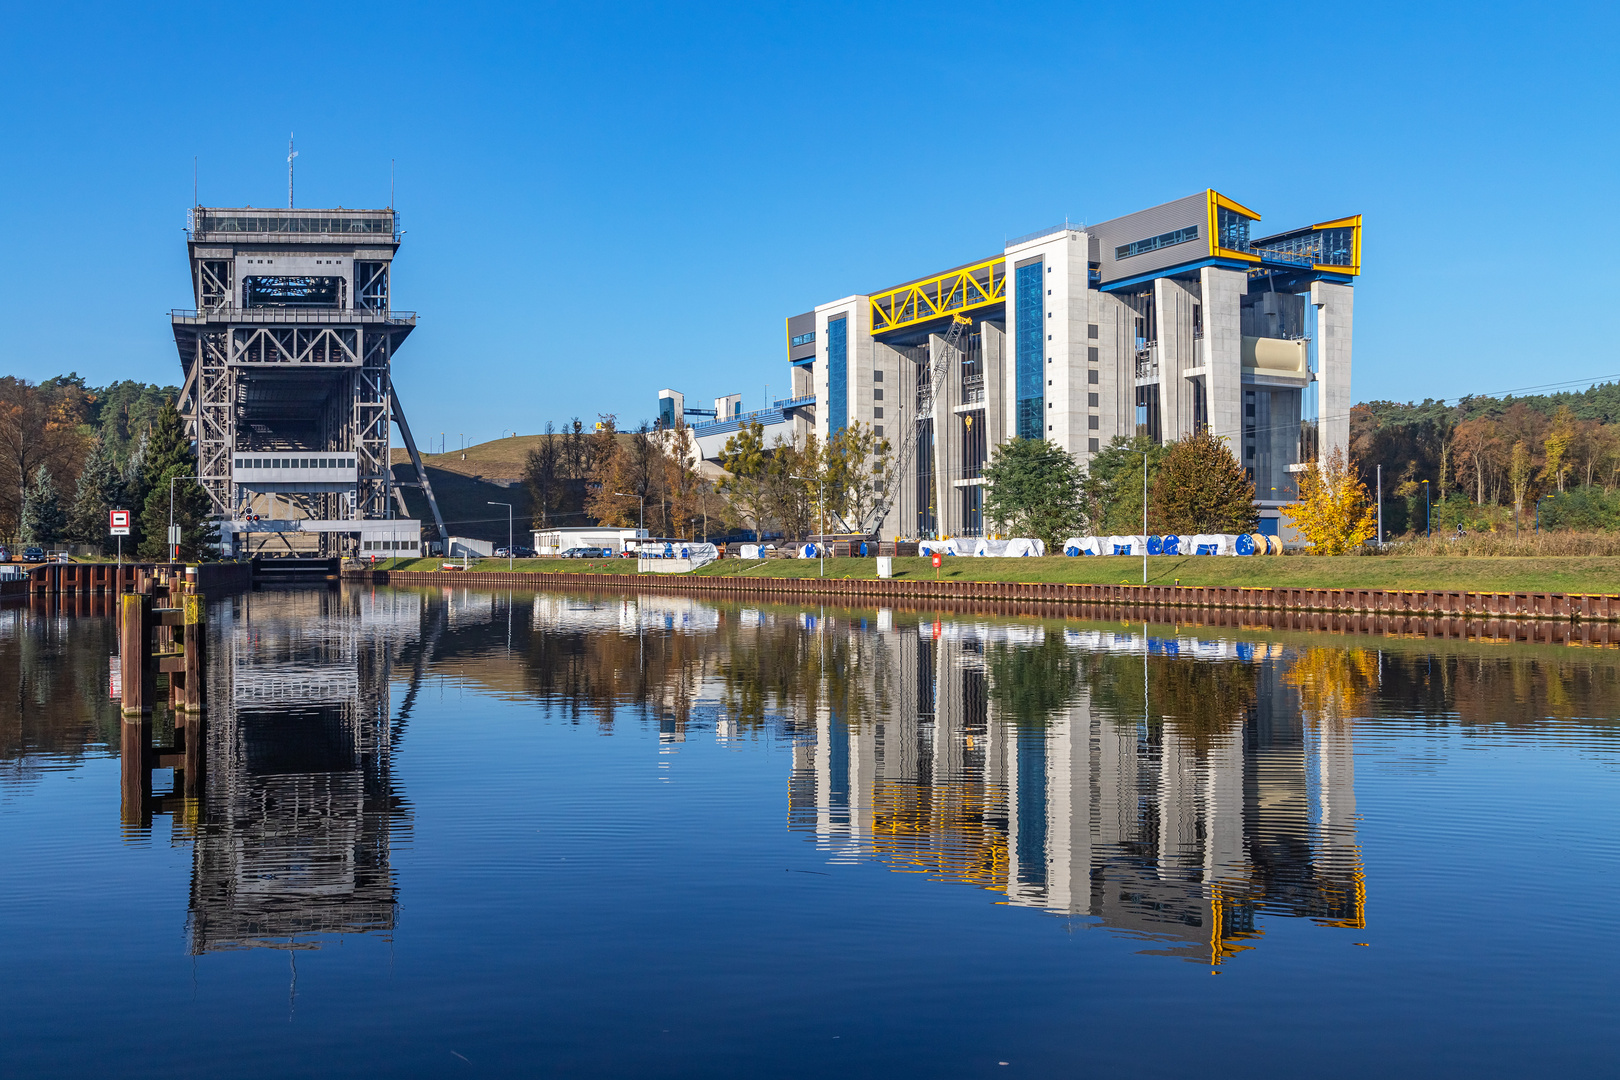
(1048, 337)
(878, 412)
(877, 376)
(1049, 404)
(1091, 400)
(1091, 444)
(1248, 451)
(1048, 427)
(1091, 331)
(878, 430)
(1091, 355)
(877, 395)
(1248, 410)
(1092, 378)
(1094, 423)
(1048, 382)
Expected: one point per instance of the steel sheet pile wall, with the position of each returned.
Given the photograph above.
(1508, 605)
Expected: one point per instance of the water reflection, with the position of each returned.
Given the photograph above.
(1170, 787)
(1175, 785)
(300, 809)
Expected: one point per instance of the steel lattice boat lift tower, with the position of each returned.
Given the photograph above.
(287, 356)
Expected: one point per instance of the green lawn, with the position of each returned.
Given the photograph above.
(1569, 574)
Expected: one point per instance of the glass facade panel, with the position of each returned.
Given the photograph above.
(1030, 309)
(1234, 229)
(837, 375)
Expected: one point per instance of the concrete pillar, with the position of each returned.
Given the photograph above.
(1223, 351)
(1173, 305)
(1334, 307)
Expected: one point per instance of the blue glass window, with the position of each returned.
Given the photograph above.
(1234, 229)
(1029, 305)
(837, 375)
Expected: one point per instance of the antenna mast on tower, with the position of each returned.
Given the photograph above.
(291, 153)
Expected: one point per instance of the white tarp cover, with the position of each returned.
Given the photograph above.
(1082, 545)
(1214, 544)
(1016, 548)
(694, 553)
(1125, 545)
(748, 551)
(950, 546)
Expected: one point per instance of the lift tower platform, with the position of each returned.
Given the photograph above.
(287, 357)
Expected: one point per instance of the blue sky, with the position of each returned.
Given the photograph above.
(603, 200)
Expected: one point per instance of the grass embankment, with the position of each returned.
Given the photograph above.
(1566, 574)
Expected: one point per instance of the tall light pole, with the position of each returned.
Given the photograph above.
(1428, 518)
(1144, 454)
(626, 495)
(821, 517)
(1380, 506)
(174, 546)
(508, 506)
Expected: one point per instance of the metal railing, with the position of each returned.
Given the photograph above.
(1147, 362)
(1066, 226)
(972, 389)
(328, 316)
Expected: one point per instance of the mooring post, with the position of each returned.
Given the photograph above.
(193, 633)
(135, 653)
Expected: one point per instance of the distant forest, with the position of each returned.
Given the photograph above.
(1491, 461)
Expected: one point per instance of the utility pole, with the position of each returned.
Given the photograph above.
(508, 506)
(1428, 518)
(1144, 454)
(1380, 506)
(642, 527)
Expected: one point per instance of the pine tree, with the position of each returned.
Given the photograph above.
(1201, 488)
(100, 489)
(168, 462)
(43, 519)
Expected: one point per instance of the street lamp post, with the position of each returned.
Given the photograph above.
(821, 518)
(642, 527)
(508, 506)
(1144, 454)
(1538, 513)
(1428, 518)
(174, 547)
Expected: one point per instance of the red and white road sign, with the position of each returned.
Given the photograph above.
(118, 523)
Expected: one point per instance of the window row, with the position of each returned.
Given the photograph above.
(295, 463)
(389, 545)
(1154, 243)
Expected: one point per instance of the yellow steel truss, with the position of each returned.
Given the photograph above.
(961, 290)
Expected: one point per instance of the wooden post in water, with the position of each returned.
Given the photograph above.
(193, 632)
(134, 653)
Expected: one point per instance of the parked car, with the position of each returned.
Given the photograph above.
(33, 554)
(521, 552)
(587, 553)
(5, 553)
(500, 552)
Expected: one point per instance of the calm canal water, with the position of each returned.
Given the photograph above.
(513, 834)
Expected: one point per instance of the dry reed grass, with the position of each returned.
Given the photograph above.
(1497, 544)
